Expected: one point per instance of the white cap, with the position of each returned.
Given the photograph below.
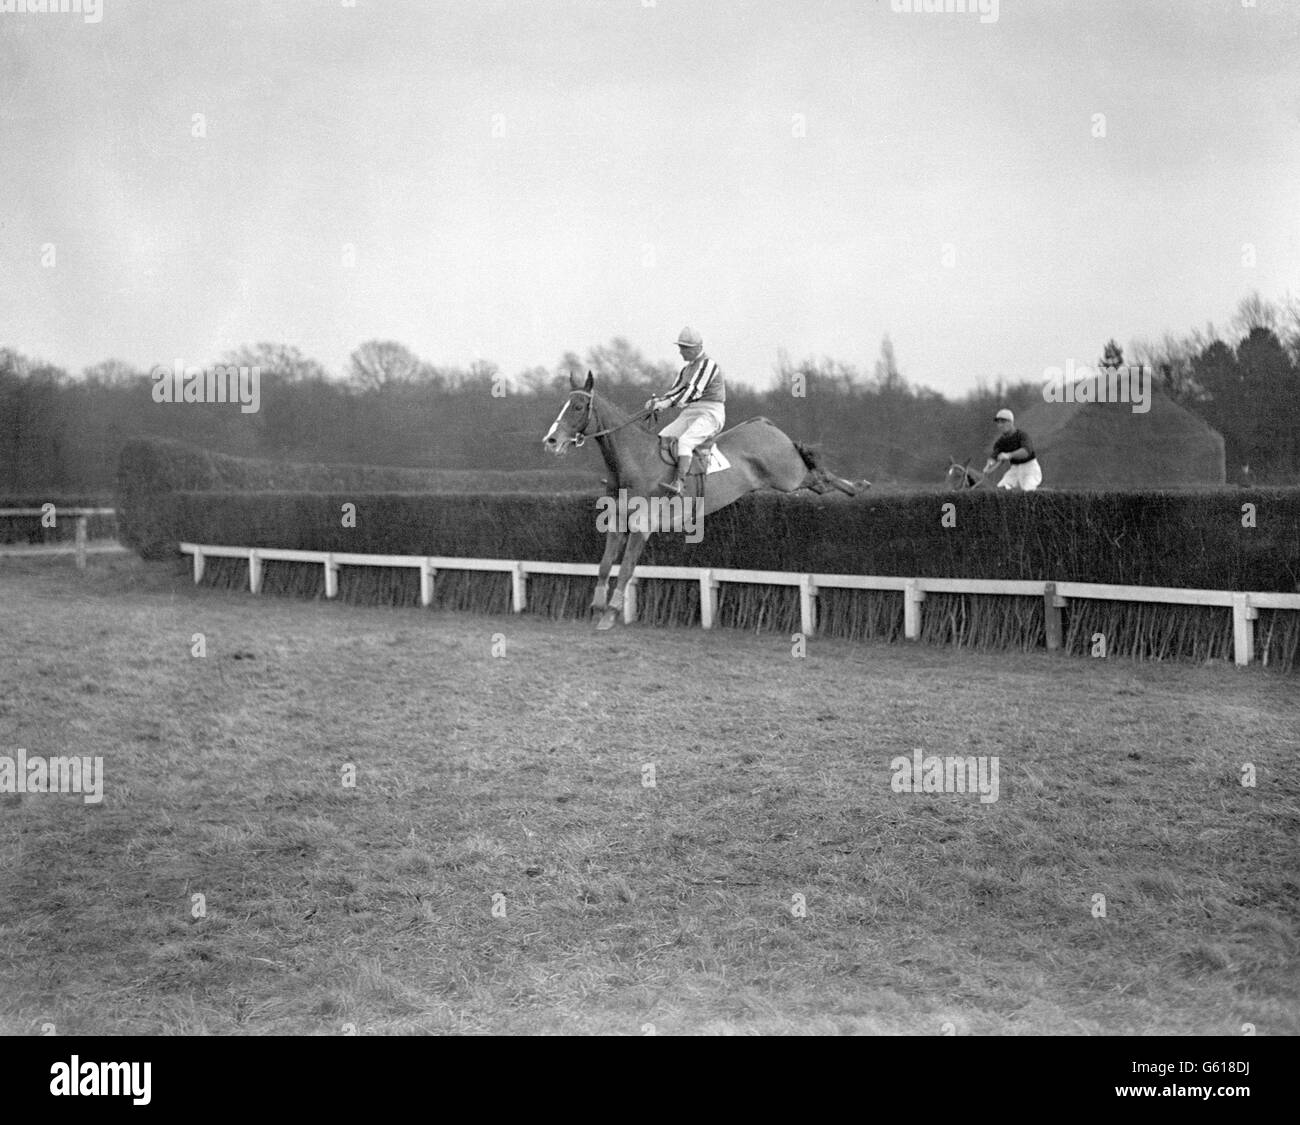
(689, 338)
(1004, 415)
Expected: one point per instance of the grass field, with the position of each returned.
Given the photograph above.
(370, 908)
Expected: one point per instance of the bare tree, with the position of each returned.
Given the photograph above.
(382, 363)
(1290, 329)
(618, 363)
(888, 377)
(282, 360)
(1171, 365)
(1255, 312)
(111, 373)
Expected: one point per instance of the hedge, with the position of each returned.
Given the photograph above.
(1193, 540)
(149, 468)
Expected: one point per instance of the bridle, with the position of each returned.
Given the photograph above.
(580, 436)
(970, 478)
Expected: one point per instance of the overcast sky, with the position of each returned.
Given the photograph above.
(522, 178)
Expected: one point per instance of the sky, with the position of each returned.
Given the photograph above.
(513, 180)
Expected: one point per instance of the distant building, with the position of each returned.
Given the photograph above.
(1107, 445)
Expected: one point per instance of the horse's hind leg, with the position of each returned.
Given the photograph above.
(821, 482)
(613, 546)
(627, 564)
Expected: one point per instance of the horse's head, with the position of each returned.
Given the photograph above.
(961, 477)
(570, 425)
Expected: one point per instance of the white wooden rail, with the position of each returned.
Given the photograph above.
(1245, 606)
(79, 547)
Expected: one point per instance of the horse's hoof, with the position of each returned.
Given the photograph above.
(606, 621)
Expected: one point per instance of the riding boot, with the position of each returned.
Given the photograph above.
(679, 474)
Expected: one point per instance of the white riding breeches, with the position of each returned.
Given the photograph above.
(695, 424)
(1024, 475)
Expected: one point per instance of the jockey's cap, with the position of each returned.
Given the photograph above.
(1004, 415)
(689, 338)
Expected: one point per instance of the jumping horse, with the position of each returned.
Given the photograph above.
(760, 456)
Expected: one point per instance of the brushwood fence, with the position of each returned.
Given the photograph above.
(1054, 597)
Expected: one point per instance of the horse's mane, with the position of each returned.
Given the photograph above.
(621, 415)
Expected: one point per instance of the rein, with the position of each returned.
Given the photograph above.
(581, 436)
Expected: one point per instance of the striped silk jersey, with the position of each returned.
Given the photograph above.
(700, 381)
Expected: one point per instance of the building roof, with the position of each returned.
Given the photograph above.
(1108, 445)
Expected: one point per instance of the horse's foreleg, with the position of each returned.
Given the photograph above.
(627, 564)
(613, 546)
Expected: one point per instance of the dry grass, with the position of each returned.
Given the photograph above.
(370, 908)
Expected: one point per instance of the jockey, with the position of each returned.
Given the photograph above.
(701, 392)
(1014, 447)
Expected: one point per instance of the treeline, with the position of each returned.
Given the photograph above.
(1248, 391)
(62, 433)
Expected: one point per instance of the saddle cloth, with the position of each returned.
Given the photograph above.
(707, 458)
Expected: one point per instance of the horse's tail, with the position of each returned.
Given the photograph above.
(821, 478)
(811, 457)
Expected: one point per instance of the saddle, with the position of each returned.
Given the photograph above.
(693, 485)
(699, 461)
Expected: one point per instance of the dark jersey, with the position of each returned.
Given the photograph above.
(1009, 443)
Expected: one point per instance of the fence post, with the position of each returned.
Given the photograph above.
(913, 596)
(1052, 606)
(427, 573)
(708, 599)
(629, 600)
(807, 605)
(81, 542)
(331, 576)
(254, 571)
(1243, 632)
(198, 565)
(518, 588)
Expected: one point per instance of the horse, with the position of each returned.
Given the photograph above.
(961, 477)
(760, 456)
